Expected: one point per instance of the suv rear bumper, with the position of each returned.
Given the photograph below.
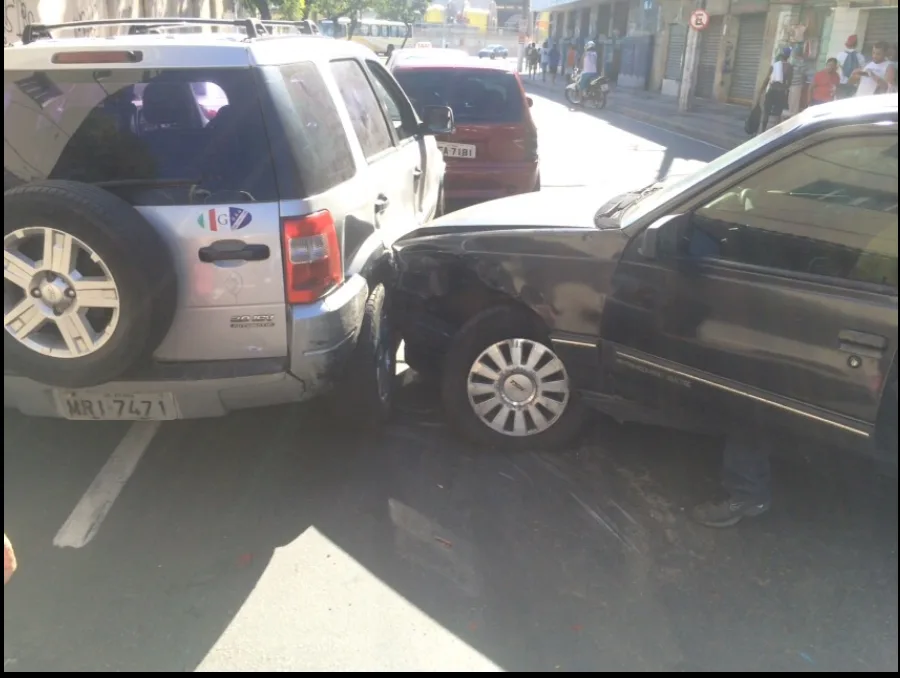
(323, 334)
(322, 338)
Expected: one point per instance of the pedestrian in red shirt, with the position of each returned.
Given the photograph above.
(825, 83)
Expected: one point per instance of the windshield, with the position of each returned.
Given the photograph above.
(477, 96)
(656, 199)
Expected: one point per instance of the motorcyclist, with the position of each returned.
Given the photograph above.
(589, 66)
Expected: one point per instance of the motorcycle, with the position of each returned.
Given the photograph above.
(594, 96)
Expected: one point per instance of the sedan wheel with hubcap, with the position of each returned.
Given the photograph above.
(504, 386)
(518, 387)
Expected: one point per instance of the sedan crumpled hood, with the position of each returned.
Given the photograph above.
(559, 207)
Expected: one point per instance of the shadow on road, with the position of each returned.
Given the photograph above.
(271, 540)
(676, 146)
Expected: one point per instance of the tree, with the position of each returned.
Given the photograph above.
(407, 11)
(337, 9)
(283, 9)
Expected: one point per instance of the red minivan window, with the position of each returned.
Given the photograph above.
(477, 96)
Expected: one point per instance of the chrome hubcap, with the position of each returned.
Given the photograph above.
(59, 298)
(518, 387)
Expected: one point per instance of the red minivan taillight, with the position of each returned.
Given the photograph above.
(312, 257)
(528, 144)
(531, 144)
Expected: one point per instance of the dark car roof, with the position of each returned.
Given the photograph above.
(453, 62)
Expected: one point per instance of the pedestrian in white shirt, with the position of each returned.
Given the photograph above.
(849, 60)
(545, 59)
(589, 65)
(775, 89)
(878, 76)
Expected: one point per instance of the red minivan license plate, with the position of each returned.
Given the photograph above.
(457, 150)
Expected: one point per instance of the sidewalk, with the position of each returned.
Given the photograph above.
(710, 121)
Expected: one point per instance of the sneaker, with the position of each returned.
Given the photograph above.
(727, 513)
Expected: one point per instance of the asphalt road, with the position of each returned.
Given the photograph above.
(273, 540)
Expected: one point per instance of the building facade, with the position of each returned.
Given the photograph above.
(643, 42)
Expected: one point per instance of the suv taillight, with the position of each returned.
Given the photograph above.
(312, 257)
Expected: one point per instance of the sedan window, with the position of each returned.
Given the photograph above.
(653, 202)
(829, 210)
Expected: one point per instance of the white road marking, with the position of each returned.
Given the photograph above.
(89, 513)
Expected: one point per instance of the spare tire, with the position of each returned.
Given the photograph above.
(89, 285)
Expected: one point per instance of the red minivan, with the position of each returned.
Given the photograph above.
(493, 153)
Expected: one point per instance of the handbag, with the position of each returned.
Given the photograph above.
(751, 126)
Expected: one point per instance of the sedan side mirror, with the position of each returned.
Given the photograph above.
(657, 238)
(529, 101)
(438, 120)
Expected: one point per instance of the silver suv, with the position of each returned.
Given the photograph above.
(197, 223)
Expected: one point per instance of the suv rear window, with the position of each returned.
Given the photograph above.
(477, 96)
(160, 137)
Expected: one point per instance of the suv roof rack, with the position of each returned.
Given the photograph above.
(254, 27)
(304, 26)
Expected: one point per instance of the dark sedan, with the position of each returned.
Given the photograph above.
(493, 52)
(762, 288)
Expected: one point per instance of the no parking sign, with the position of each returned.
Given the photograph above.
(699, 19)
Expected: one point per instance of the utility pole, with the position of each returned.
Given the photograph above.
(689, 74)
(525, 25)
(691, 62)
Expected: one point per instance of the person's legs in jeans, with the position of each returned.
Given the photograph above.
(780, 106)
(585, 80)
(746, 478)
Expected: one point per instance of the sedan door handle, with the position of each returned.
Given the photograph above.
(233, 250)
(381, 203)
(417, 173)
(864, 343)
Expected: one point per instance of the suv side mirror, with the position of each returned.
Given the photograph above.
(438, 120)
(657, 238)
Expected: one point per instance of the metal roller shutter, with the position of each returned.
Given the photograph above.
(747, 57)
(710, 41)
(675, 52)
(881, 26)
